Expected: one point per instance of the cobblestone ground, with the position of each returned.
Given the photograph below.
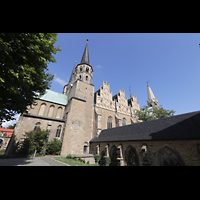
(39, 161)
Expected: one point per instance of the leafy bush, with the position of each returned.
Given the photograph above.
(97, 158)
(105, 161)
(34, 140)
(54, 147)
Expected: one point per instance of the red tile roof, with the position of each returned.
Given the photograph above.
(9, 132)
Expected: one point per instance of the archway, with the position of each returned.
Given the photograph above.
(85, 148)
(131, 156)
(168, 156)
(114, 154)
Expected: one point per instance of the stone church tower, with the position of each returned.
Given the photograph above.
(79, 111)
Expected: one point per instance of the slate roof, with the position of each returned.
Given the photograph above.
(85, 57)
(184, 126)
(54, 97)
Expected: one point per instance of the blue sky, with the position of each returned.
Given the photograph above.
(170, 61)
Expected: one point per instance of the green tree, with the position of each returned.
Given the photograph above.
(149, 113)
(34, 140)
(11, 126)
(54, 147)
(24, 58)
(162, 113)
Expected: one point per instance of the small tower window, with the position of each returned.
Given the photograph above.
(86, 78)
(81, 69)
(80, 76)
(87, 69)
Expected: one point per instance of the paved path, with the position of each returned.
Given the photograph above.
(38, 161)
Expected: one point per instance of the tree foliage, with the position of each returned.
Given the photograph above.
(54, 147)
(34, 140)
(24, 58)
(149, 113)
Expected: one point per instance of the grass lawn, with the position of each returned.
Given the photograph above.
(73, 162)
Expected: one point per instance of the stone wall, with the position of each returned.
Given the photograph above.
(187, 151)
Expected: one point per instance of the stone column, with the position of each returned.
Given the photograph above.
(121, 160)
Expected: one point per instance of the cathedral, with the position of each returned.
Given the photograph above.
(89, 123)
(78, 114)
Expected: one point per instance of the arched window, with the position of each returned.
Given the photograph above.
(37, 126)
(109, 122)
(169, 157)
(131, 156)
(114, 154)
(87, 69)
(58, 131)
(86, 78)
(42, 109)
(85, 148)
(123, 121)
(59, 112)
(51, 109)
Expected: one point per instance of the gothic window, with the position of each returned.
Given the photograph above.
(169, 157)
(37, 126)
(114, 154)
(51, 109)
(131, 156)
(58, 131)
(80, 77)
(59, 112)
(86, 78)
(42, 109)
(87, 69)
(81, 69)
(123, 121)
(109, 122)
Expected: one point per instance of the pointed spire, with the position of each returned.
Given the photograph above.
(150, 93)
(72, 78)
(85, 58)
(152, 101)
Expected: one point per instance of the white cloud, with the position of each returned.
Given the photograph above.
(60, 81)
(11, 122)
(98, 66)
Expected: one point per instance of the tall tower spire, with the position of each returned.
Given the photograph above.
(85, 58)
(152, 101)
